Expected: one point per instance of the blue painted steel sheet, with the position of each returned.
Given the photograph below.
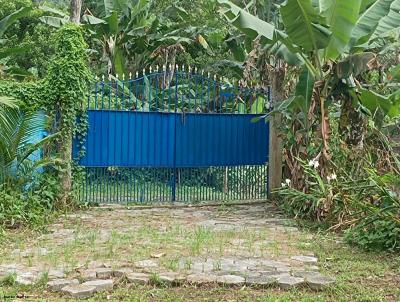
(157, 139)
(204, 140)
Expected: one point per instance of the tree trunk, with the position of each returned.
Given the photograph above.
(275, 138)
(76, 6)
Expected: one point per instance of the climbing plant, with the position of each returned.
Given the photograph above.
(65, 88)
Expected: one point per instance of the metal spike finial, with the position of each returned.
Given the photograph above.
(137, 74)
(130, 75)
(189, 68)
(144, 71)
(123, 77)
(103, 77)
(151, 69)
(157, 68)
(215, 77)
(116, 75)
(208, 74)
(164, 67)
(183, 67)
(109, 76)
(195, 69)
(177, 67)
(170, 67)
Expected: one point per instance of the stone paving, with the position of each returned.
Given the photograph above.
(102, 248)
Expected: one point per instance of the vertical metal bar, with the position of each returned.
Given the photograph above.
(175, 138)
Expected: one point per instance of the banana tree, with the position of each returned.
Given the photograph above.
(331, 40)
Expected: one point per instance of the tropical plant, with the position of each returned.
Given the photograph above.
(21, 135)
(5, 23)
(331, 41)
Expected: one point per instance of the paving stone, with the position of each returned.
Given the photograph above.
(200, 278)
(57, 284)
(146, 264)
(138, 278)
(55, 273)
(171, 278)
(283, 269)
(319, 282)
(121, 272)
(89, 274)
(100, 285)
(306, 274)
(27, 277)
(97, 264)
(305, 259)
(264, 280)
(11, 268)
(104, 273)
(80, 291)
(287, 282)
(230, 280)
(202, 267)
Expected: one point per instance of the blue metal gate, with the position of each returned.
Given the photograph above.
(173, 136)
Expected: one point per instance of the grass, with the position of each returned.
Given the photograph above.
(361, 276)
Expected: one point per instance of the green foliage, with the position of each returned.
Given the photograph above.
(375, 234)
(66, 84)
(25, 46)
(31, 207)
(16, 132)
(359, 195)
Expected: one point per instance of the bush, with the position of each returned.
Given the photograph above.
(30, 206)
(368, 209)
(374, 234)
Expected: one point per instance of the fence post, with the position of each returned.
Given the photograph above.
(275, 138)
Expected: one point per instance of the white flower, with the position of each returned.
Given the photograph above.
(283, 185)
(311, 163)
(287, 180)
(331, 177)
(316, 164)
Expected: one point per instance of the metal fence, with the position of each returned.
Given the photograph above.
(173, 136)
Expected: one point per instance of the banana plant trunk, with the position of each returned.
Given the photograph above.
(275, 126)
(351, 124)
(76, 6)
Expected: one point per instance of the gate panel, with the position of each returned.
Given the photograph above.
(129, 139)
(215, 140)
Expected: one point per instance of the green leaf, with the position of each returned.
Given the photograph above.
(258, 105)
(12, 51)
(394, 74)
(305, 88)
(11, 18)
(372, 101)
(247, 23)
(54, 21)
(304, 25)
(53, 11)
(112, 21)
(368, 21)
(92, 20)
(342, 19)
(389, 22)
(118, 61)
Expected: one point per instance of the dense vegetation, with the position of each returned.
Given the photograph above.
(334, 70)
